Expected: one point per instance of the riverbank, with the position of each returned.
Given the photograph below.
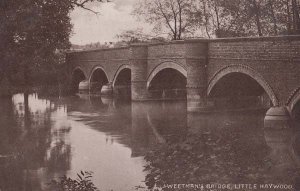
(43, 90)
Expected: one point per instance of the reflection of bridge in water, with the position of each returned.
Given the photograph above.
(60, 129)
(137, 125)
(143, 125)
(208, 73)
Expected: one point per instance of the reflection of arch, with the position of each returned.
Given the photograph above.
(245, 70)
(120, 69)
(293, 99)
(294, 143)
(166, 65)
(158, 136)
(95, 69)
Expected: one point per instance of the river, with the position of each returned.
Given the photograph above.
(46, 138)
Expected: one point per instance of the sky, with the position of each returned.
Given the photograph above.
(113, 18)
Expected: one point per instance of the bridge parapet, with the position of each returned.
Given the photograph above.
(259, 48)
(273, 62)
(166, 50)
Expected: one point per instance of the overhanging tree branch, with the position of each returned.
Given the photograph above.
(82, 4)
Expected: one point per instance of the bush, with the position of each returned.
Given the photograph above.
(82, 183)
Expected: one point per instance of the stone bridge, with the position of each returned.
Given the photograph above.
(204, 71)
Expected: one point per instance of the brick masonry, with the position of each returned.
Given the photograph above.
(274, 62)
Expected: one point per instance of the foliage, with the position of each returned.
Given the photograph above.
(214, 156)
(171, 16)
(133, 36)
(91, 46)
(249, 17)
(33, 36)
(137, 36)
(82, 183)
(221, 18)
(125, 38)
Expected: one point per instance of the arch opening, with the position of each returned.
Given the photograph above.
(77, 77)
(239, 91)
(1, 75)
(97, 81)
(296, 111)
(122, 84)
(168, 83)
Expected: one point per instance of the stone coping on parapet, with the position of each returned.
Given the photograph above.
(96, 50)
(265, 38)
(195, 40)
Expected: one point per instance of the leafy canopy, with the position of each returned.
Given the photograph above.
(33, 32)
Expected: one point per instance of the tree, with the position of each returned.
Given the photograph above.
(133, 36)
(249, 17)
(296, 16)
(171, 16)
(136, 36)
(33, 33)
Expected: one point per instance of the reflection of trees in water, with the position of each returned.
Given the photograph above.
(27, 144)
(59, 157)
(8, 127)
(10, 173)
(228, 153)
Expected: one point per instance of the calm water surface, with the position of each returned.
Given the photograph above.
(46, 138)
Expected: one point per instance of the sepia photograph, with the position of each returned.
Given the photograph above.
(149, 95)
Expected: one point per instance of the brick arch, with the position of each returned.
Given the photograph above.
(79, 68)
(75, 80)
(122, 67)
(293, 99)
(165, 65)
(245, 70)
(96, 68)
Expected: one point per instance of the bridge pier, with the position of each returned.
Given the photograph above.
(122, 90)
(139, 54)
(98, 89)
(107, 89)
(196, 61)
(277, 118)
